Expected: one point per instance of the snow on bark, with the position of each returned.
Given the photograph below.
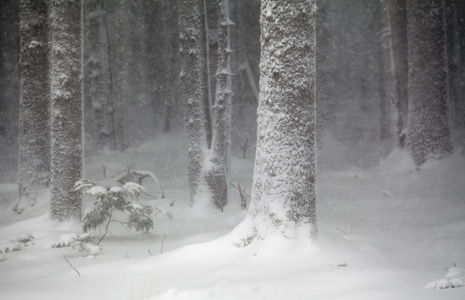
(283, 192)
(34, 130)
(66, 108)
(428, 127)
(216, 170)
(194, 90)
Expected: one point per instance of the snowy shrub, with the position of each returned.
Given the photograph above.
(454, 278)
(83, 243)
(117, 198)
(15, 244)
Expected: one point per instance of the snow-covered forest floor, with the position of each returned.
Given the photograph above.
(384, 232)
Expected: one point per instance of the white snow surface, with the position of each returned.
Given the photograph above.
(384, 232)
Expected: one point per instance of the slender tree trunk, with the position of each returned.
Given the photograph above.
(428, 128)
(283, 192)
(399, 51)
(66, 109)
(382, 80)
(217, 172)
(34, 130)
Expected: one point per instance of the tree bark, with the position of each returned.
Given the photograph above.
(428, 128)
(66, 109)
(218, 169)
(34, 130)
(283, 191)
(193, 84)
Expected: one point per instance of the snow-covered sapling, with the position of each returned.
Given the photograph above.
(117, 198)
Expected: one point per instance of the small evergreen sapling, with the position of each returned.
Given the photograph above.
(117, 198)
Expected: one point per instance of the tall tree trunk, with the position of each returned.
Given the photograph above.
(193, 70)
(9, 87)
(66, 109)
(283, 192)
(34, 130)
(171, 54)
(428, 128)
(97, 75)
(119, 60)
(383, 65)
(217, 171)
(397, 12)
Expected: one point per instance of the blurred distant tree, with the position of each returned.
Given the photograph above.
(455, 36)
(97, 81)
(34, 109)
(66, 109)
(326, 67)
(119, 69)
(9, 87)
(428, 127)
(398, 26)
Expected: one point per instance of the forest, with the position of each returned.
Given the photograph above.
(232, 149)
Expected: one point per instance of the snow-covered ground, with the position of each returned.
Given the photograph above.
(384, 232)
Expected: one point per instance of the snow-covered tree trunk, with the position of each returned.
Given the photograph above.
(428, 126)
(34, 130)
(66, 108)
(217, 170)
(283, 191)
(399, 55)
(96, 75)
(193, 84)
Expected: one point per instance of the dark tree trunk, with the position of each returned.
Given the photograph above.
(428, 128)
(34, 130)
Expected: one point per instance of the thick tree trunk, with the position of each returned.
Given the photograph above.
(283, 192)
(34, 130)
(66, 109)
(399, 51)
(428, 128)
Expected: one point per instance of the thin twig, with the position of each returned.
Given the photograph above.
(162, 242)
(106, 228)
(342, 231)
(69, 263)
(150, 252)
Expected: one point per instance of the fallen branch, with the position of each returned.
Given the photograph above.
(138, 176)
(69, 263)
